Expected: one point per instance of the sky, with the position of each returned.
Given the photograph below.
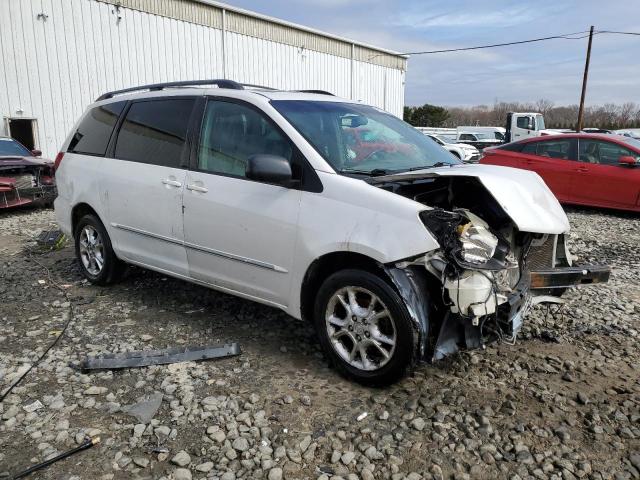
(551, 70)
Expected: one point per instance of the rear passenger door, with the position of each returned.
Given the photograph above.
(554, 161)
(143, 181)
(240, 234)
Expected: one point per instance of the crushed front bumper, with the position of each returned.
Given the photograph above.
(457, 331)
(569, 276)
(15, 197)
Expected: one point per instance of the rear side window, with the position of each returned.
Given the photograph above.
(155, 132)
(550, 148)
(512, 147)
(94, 131)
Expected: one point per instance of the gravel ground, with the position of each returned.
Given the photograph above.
(562, 403)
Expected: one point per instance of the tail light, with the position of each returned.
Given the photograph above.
(58, 161)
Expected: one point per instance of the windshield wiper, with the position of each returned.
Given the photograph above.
(435, 165)
(376, 172)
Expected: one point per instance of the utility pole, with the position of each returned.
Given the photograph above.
(584, 82)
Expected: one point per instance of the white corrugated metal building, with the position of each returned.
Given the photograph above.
(58, 56)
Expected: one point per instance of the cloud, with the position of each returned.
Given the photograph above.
(551, 69)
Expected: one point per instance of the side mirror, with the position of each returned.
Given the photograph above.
(269, 169)
(627, 160)
(36, 153)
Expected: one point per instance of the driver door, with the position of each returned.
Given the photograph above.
(240, 234)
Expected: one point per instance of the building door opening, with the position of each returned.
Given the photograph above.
(23, 130)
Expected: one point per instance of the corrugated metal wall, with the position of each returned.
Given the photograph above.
(53, 65)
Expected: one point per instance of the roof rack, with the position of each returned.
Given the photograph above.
(319, 92)
(221, 83)
(261, 87)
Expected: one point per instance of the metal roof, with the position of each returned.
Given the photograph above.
(226, 17)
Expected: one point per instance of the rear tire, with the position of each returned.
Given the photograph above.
(364, 327)
(97, 260)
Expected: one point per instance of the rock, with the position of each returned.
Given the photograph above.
(94, 390)
(418, 424)
(142, 462)
(305, 400)
(205, 467)
(182, 459)
(582, 398)
(182, 474)
(241, 444)
(275, 473)
(347, 457)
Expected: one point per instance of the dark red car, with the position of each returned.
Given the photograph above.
(24, 177)
(583, 169)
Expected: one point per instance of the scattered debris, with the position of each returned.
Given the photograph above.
(159, 357)
(51, 239)
(88, 443)
(32, 407)
(146, 407)
(362, 416)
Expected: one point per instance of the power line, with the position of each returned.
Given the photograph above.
(566, 36)
(619, 33)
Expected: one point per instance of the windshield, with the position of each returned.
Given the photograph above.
(10, 148)
(484, 136)
(362, 139)
(445, 139)
(539, 122)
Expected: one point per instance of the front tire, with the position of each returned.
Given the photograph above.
(97, 260)
(364, 327)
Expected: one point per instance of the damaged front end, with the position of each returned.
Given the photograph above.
(25, 183)
(479, 285)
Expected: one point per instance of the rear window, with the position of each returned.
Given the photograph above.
(94, 131)
(155, 132)
(512, 147)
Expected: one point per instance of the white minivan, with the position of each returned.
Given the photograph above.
(395, 251)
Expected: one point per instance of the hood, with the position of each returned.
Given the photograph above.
(14, 161)
(522, 194)
(466, 146)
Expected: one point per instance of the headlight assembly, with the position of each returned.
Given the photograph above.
(478, 243)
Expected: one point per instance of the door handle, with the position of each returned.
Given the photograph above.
(197, 188)
(582, 170)
(172, 183)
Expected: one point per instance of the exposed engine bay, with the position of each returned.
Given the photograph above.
(481, 272)
(22, 184)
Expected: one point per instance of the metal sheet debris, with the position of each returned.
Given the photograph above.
(143, 358)
(146, 407)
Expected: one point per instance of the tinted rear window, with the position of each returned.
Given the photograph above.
(93, 133)
(155, 132)
(512, 147)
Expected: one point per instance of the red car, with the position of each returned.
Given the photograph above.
(24, 177)
(583, 169)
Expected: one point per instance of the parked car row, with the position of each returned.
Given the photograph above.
(462, 151)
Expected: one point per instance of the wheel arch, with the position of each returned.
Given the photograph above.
(412, 283)
(80, 210)
(324, 266)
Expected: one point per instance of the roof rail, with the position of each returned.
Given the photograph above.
(221, 83)
(319, 92)
(262, 87)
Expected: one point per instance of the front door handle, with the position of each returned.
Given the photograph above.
(582, 170)
(172, 183)
(197, 188)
